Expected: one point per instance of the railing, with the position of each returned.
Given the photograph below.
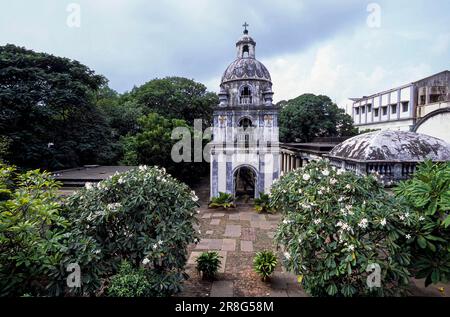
(380, 168)
(245, 100)
(408, 169)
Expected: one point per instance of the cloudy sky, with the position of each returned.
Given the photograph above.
(346, 48)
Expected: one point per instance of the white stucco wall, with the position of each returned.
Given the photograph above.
(437, 126)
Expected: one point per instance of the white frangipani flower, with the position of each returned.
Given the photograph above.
(326, 172)
(421, 218)
(363, 223)
(160, 242)
(145, 261)
(351, 247)
(306, 177)
(408, 236)
(333, 181)
(155, 246)
(88, 185)
(383, 222)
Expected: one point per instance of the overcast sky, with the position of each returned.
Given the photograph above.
(337, 48)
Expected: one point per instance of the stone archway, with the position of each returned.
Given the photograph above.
(245, 182)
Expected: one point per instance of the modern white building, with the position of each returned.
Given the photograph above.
(402, 107)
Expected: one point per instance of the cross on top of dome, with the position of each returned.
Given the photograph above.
(245, 27)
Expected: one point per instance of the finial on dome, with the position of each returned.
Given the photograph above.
(245, 27)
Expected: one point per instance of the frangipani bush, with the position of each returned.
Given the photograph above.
(335, 225)
(427, 193)
(144, 216)
(31, 231)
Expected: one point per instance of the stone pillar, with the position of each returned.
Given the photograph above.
(297, 162)
(286, 167)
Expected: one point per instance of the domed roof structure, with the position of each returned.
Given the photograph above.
(246, 68)
(392, 146)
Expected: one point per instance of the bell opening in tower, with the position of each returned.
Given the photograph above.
(245, 52)
(246, 96)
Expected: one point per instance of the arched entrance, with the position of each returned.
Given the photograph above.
(245, 183)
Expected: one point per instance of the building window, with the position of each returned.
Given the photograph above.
(422, 100)
(363, 110)
(393, 109)
(405, 106)
(369, 108)
(375, 112)
(246, 96)
(384, 111)
(357, 111)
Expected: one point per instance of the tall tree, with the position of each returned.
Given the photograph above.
(309, 116)
(48, 112)
(175, 98)
(153, 145)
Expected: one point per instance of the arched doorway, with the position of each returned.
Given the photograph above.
(244, 183)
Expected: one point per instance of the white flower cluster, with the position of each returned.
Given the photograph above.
(347, 210)
(286, 221)
(306, 177)
(317, 221)
(155, 245)
(194, 196)
(363, 223)
(344, 226)
(113, 206)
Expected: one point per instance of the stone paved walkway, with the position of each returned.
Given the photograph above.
(237, 234)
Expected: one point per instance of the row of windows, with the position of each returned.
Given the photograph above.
(384, 109)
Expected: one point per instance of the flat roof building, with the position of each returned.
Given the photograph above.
(400, 108)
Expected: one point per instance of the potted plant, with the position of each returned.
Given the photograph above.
(264, 264)
(208, 264)
(224, 200)
(262, 204)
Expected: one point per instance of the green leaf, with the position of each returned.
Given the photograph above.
(422, 242)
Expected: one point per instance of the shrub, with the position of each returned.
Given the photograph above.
(264, 263)
(31, 231)
(143, 216)
(428, 196)
(262, 204)
(224, 200)
(129, 282)
(336, 225)
(208, 264)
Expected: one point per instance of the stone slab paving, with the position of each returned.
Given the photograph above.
(246, 246)
(222, 289)
(232, 231)
(215, 222)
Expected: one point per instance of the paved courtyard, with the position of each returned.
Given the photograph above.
(237, 234)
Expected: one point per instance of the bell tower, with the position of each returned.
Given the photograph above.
(244, 150)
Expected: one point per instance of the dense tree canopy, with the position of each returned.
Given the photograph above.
(48, 112)
(309, 116)
(175, 98)
(152, 145)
